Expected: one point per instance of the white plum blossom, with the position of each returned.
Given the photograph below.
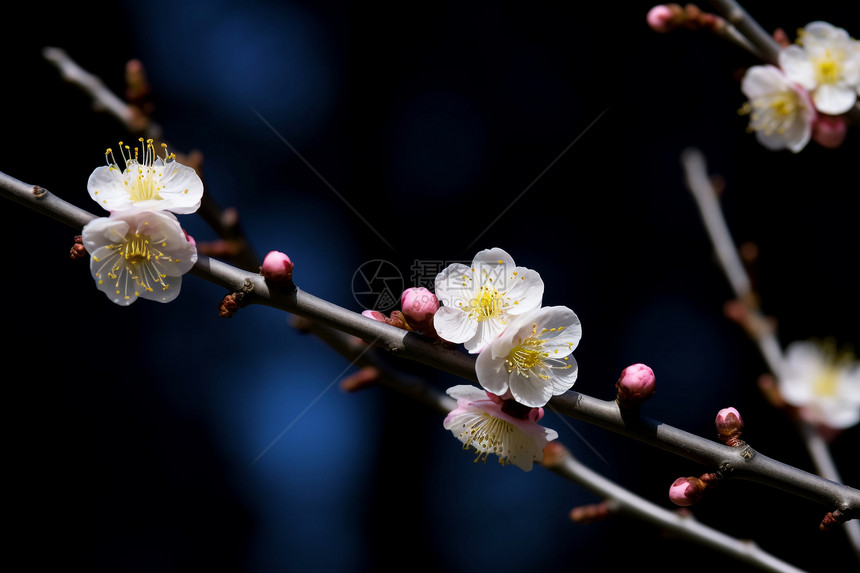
(148, 182)
(477, 301)
(138, 254)
(481, 422)
(532, 358)
(822, 385)
(825, 61)
(781, 113)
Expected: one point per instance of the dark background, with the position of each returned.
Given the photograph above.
(132, 432)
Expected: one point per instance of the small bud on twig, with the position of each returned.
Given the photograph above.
(729, 427)
(660, 19)
(591, 513)
(78, 251)
(419, 306)
(228, 306)
(361, 380)
(636, 384)
(277, 268)
(396, 319)
(829, 131)
(687, 491)
(554, 454)
(831, 519)
(235, 300)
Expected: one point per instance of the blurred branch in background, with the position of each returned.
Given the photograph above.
(749, 315)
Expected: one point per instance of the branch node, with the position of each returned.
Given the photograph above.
(78, 250)
(39, 192)
(232, 302)
(832, 519)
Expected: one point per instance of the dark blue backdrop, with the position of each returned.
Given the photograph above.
(426, 132)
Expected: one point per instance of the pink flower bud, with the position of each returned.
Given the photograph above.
(687, 491)
(418, 304)
(536, 414)
(729, 425)
(829, 131)
(375, 315)
(659, 18)
(277, 267)
(636, 384)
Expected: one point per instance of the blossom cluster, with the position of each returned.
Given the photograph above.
(140, 250)
(806, 96)
(493, 307)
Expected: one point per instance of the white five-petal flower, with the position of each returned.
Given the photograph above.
(824, 386)
(781, 113)
(138, 254)
(478, 301)
(533, 356)
(826, 61)
(480, 423)
(147, 182)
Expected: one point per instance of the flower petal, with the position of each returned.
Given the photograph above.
(454, 285)
(523, 291)
(105, 186)
(492, 374)
(834, 99)
(466, 392)
(564, 376)
(795, 62)
(530, 391)
(493, 257)
(454, 325)
(183, 189)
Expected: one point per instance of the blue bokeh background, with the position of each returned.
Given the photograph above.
(425, 132)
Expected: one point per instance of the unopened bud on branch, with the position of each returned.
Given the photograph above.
(661, 18)
(78, 250)
(419, 305)
(729, 426)
(636, 384)
(687, 491)
(829, 131)
(277, 268)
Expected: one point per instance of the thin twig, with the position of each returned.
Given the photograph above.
(766, 46)
(744, 463)
(559, 460)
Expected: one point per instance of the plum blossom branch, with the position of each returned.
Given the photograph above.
(700, 186)
(744, 463)
(136, 120)
(766, 46)
(557, 459)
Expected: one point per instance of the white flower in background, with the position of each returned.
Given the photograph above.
(480, 422)
(147, 182)
(138, 254)
(533, 356)
(826, 61)
(478, 301)
(781, 113)
(824, 386)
